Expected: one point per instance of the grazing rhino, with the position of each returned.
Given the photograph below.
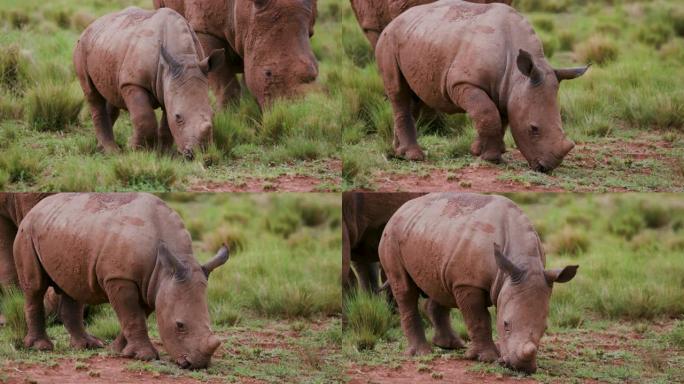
(364, 217)
(267, 40)
(470, 251)
(374, 15)
(482, 59)
(130, 250)
(142, 60)
(13, 208)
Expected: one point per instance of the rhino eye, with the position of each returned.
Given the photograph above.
(179, 118)
(180, 326)
(507, 326)
(534, 130)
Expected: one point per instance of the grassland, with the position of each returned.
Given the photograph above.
(626, 114)
(620, 320)
(47, 139)
(275, 304)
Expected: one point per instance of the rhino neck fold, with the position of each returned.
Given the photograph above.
(150, 288)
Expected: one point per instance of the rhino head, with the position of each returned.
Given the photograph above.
(278, 60)
(181, 307)
(522, 307)
(534, 113)
(186, 98)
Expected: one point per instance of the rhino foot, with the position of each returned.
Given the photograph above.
(38, 343)
(419, 350)
(89, 342)
(448, 342)
(119, 344)
(144, 352)
(486, 354)
(492, 156)
(413, 153)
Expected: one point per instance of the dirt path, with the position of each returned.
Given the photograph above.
(438, 371)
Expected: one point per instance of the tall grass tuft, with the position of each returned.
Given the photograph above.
(597, 49)
(369, 319)
(53, 106)
(20, 165)
(12, 307)
(13, 69)
(145, 170)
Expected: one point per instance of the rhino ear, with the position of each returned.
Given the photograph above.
(175, 67)
(171, 262)
(221, 257)
(214, 61)
(526, 67)
(570, 73)
(561, 275)
(507, 266)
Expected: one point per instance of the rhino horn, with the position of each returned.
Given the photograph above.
(221, 257)
(175, 67)
(561, 275)
(528, 68)
(507, 266)
(178, 269)
(570, 73)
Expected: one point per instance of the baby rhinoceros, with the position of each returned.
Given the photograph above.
(141, 60)
(470, 251)
(130, 250)
(482, 59)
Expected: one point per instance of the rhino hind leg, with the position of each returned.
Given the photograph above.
(401, 98)
(103, 118)
(222, 81)
(133, 341)
(445, 337)
(489, 144)
(142, 115)
(71, 314)
(34, 283)
(473, 305)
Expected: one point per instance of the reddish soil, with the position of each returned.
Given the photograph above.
(484, 177)
(437, 371)
(98, 369)
(282, 183)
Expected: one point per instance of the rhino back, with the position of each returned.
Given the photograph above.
(452, 42)
(446, 240)
(123, 48)
(84, 240)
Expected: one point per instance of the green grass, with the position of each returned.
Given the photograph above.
(275, 304)
(619, 319)
(632, 95)
(41, 98)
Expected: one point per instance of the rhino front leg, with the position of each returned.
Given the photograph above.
(222, 81)
(164, 134)
(445, 337)
(399, 93)
(102, 120)
(71, 314)
(133, 341)
(8, 273)
(489, 144)
(473, 305)
(139, 104)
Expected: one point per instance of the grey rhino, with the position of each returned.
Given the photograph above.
(482, 59)
(130, 250)
(470, 251)
(13, 208)
(374, 15)
(141, 60)
(267, 40)
(364, 216)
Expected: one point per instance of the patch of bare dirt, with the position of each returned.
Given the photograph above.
(481, 178)
(98, 369)
(436, 371)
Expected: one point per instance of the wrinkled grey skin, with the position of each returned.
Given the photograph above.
(267, 40)
(141, 60)
(482, 59)
(130, 250)
(470, 251)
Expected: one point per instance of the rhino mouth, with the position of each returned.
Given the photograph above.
(528, 370)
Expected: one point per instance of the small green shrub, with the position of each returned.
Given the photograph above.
(53, 107)
(234, 237)
(626, 224)
(20, 165)
(597, 49)
(142, 170)
(369, 319)
(12, 307)
(13, 68)
(569, 241)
